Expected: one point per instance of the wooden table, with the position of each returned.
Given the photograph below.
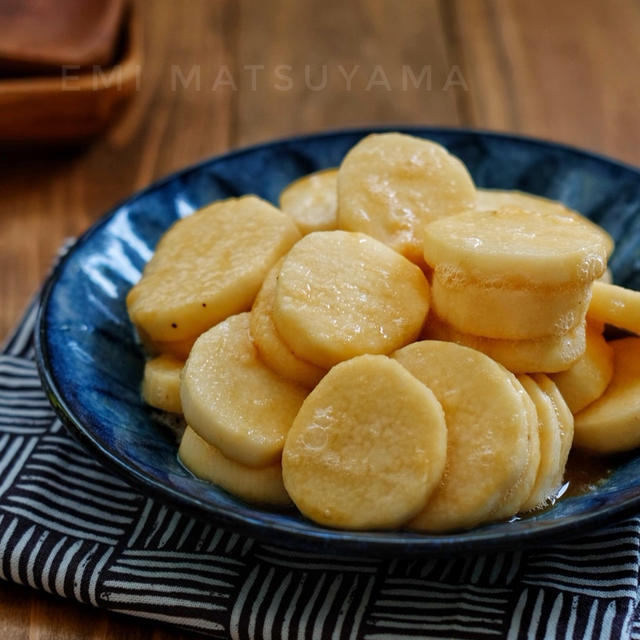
(224, 73)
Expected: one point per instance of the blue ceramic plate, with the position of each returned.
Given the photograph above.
(92, 366)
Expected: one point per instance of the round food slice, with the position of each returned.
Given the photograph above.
(615, 305)
(367, 447)
(517, 248)
(161, 383)
(493, 199)
(342, 294)
(209, 266)
(488, 432)
(551, 467)
(312, 201)
(262, 485)
(611, 424)
(565, 417)
(272, 349)
(588, 377)
(390, 185)
(550, 353)
(499, 310)
(521, 490)
(233, 400)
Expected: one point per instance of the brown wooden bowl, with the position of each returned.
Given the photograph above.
(73, 104)
(39, 37)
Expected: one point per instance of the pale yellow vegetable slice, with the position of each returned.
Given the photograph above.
(587, 378)
(488, 432)
(208, 266)
(341, 294)
(312, 201)
(550, 353)
(565, 417)
(551, 467)
(517, 248)
(615, 305)
(272, 349)
(611, 424)
(367, 447)
(522, 488)
(263, 486)
(233, 400)
(390, 185)
(161, 383)
(500, 311)
(493, 199)
(513, 273)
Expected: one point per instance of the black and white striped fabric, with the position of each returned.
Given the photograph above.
(71, 527)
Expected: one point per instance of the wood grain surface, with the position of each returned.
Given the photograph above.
(222, 73)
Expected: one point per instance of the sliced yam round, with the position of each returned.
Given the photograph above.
(367, 447)
(493, 199)
(312, 201)
(161, 383)
(262, 486)
(588, 377)
(515, 248)
(515, 497)
(272, 348)
(565, 417)
(550, 353)
(615, 305)
(390, 185)
(341, 294)
(611, 424)
(488, 416)
(551, 467)
(209, 266)
(233, 400)
(505, 312)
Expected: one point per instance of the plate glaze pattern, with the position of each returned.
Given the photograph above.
(91, 365)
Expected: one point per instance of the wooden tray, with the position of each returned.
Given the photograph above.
(72, 105)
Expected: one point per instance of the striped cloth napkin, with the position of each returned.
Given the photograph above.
(71, 527)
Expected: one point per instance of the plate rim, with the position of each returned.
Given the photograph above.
(312, 537)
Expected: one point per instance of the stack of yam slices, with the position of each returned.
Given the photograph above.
(608, 420)
(516, 275)
(392, 347)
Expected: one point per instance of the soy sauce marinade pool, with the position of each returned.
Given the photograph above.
(586, 472)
